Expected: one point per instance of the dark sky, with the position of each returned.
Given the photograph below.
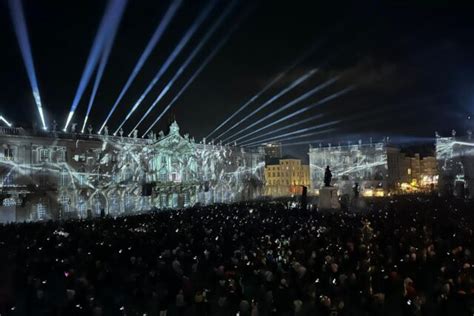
(412, 64)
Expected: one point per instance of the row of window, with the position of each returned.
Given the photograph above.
(285, 174)
(286, 182)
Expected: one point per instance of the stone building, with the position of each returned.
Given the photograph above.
(411, 174)
(58, 175)
(285, 177)
(455, 156)
(364, 164)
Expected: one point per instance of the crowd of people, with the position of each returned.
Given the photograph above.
(396, 256)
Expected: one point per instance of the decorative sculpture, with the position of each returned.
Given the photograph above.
(327, 177)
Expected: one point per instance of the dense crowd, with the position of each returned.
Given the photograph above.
(396, 256)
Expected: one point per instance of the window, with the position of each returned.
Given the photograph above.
(41, 211)
(409, 171)
(44, 155)
(8, 153)
(9, 202)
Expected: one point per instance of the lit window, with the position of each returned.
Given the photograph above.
(409, 171)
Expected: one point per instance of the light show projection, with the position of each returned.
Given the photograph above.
(55, 175)
(455, 156)
(364, 164)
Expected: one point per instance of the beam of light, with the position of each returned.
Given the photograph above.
(309, 119)
(21, 31)
(4, 120)
(363, 115)
(190, 58)
(286, 106)
(177, 50)
(159, 31)
(297, 136)
(309, 142)
(265, 89)
(112, 31)
(304, 109)
(196, 73)
(293, 85)
(93, 58)
(276, 138)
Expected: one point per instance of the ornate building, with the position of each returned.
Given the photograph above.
(365, 164)
(58, 175)
(455, 156)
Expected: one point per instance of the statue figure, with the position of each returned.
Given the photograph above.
(161, 134)
(73, 127)
(89, 129)
(356, 190)
(106, 130)
(327, 177)
(55, 125)
(121, 132)
(135, 133)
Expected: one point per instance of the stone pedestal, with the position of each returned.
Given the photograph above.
(328, 199)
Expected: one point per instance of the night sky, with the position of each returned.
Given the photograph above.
(412, 66)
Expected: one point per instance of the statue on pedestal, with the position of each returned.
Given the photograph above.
(327, 177)
(73, 128)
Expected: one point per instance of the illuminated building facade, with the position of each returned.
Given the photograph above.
(411, 174)
(58, 175)
(455, 156)
(365, 164)
(285, 177)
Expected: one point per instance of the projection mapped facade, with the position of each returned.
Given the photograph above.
(58, 175)
(455, 157)
(365, 164)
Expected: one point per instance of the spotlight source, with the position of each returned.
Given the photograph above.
(93, 59)
(104, 58)
(4, 120)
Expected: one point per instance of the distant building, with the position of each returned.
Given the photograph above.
(285, 177)
(364, 164)
(273, 151)
(455, 156)
(410, 174)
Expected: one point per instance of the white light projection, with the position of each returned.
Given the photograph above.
(365, 164)
(115, 175)
(455, 156)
